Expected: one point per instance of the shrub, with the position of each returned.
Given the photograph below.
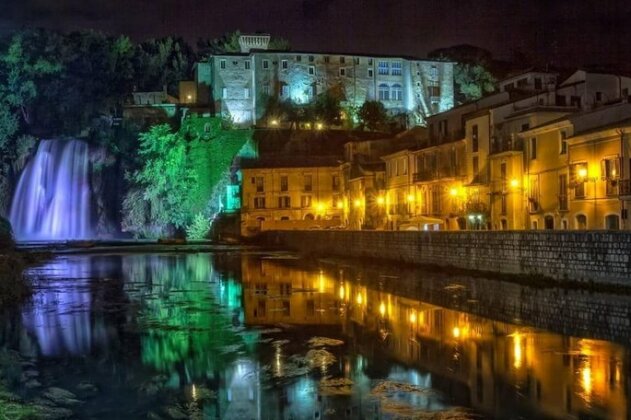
(199, 227)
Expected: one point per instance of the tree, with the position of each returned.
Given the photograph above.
(372, 115)
(229, 43)
(165, 179)
(327, 109)
(473, 77)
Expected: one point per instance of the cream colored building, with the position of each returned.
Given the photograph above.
(291, 193)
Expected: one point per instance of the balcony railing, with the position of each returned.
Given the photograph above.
(624, 187)
(506, 144)
(444, 172)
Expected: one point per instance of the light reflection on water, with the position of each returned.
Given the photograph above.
(231, 336)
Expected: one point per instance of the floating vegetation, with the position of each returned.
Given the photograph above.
(336, 386)
(324, 341)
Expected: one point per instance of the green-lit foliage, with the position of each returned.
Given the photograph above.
(473, 77)
(184, 328)
(182, 174)
(199, 227)
(165, 179)
(372, 115)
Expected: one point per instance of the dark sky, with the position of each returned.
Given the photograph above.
(558, 31)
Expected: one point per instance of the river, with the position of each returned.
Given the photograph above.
(249, 335)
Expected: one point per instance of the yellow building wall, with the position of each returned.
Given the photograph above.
(325, 201)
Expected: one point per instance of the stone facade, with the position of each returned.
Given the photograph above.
(241, 82)
(598, 256)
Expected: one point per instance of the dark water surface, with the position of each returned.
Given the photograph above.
(248, 336)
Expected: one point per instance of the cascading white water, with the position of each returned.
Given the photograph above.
(52, 199)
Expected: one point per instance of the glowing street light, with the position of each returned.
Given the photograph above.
(380, 200)
(453, 192)
(273, 123)
(410, 198)
(514, 183)
(357, 203)
(319, 126)
(320, 207)
(582, 172)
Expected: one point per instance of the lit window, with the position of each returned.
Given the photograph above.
(222, 64)
(305, 201)
(259, 202)
(246, 93)
(384, 68)
(224, 93)
(284, 64)
(433, 72)
(384, 92)
(265, 64)
(284, 202)
(396, 92)
(396, 68)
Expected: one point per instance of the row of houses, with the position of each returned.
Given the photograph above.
(543, 152)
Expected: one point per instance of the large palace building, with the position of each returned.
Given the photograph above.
(239, 84)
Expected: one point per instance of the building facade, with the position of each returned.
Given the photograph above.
(241, 83)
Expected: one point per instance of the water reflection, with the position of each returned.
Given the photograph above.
(231, 336)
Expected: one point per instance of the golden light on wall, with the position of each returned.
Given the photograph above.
(321, 282)
(453, 192)
(582, 172)
(413, 317)
(382, 308)
(518, 351)
(514, 183)
(410, 198)
(320, 207)
(357, 203)
(380, 200)
(456, 332)
(359, 298)
(342, 292)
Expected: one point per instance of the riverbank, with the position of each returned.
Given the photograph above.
(601, 258)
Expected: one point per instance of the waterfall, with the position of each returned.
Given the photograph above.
(52, 199)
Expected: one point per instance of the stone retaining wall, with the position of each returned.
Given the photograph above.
(599, 256)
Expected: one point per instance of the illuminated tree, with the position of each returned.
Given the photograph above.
(372, 115)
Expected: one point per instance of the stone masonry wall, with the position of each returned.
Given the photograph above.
(599, 256)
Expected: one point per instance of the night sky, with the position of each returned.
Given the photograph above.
(559, 32)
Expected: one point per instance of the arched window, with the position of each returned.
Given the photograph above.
(612, 222)
(581, 222)
(384, 92)
(396, 92)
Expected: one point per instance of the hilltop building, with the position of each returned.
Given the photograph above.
(237, 85)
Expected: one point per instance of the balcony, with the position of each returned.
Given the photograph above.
(506, 144)
(425, 176)
(624, 188)
(444, 172)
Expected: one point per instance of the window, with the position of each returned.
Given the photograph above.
(503, 204)
(285, 289)
(246, 93)
(576, 171)
(599, 96)
(384, 68)
(563, 202)
(311, 70)
(265, 64)
(370, 73)
(384, 92)
(356, 60)
(311, 59)
(397, 92)
(284, 64)
(284, 183)
(581, 222)
(612, 222)
(259, 202)
(433, 89)
(260, 309)
(538, 84)
(260, 184)
(342, 71)
(610, 168)
(335, 183)
(224, 93)
(433, 72)
(298, 58)
(533, 148)
(548, 222)
(247, 65)
(370, 61)
(266, 90)
(326, 59)
(503, 174)
(286, 308)
(563, 143)
(284, 91)
(474, 138)
(342, 60)
(396, 68)
(222, 64)
(525, 127)
(284, 202)
(436, 200)
(305, 201)
(308, 182)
